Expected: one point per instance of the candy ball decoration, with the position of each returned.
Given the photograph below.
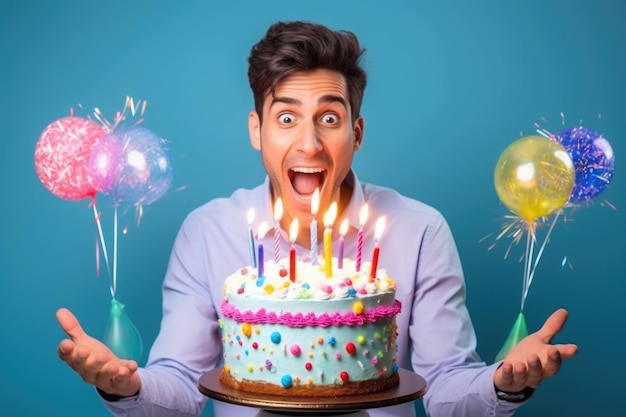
(594, 161)
(62, 154)
(131, 165)
(534, 177)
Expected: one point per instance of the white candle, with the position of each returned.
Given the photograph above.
(315, 203)
(251, 238)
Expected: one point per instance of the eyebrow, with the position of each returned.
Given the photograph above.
(329, 98)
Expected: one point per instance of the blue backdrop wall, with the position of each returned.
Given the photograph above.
(452, 83)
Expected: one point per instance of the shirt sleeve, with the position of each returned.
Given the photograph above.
(443, 340)
(178, 356)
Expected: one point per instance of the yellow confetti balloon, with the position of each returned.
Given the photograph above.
(534, 177)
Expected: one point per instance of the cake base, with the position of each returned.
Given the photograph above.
(412, 386)
(304, 390)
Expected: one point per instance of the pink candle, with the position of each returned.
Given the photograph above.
(359, 240)
(278, 215)
(343, 229)
(293, 234)
(380, 225)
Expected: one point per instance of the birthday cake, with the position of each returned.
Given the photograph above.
(304, 333)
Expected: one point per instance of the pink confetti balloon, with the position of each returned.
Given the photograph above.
(62, 156)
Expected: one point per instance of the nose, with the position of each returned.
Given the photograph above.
(308, 141)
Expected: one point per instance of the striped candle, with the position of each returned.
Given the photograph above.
(278, 215)
(359, 240)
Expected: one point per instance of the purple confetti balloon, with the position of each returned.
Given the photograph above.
(131, 165)
(594, 161)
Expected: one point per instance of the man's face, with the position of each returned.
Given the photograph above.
(307, 140)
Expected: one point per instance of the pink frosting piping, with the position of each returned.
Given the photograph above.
(310, 319)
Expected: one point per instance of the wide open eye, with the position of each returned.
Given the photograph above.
(330, 119)
(286, 118)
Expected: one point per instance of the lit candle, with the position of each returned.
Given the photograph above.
(251, 238)
(293, 235)
(343, 229)
(359, 239)
(329, 219)
(278, 215)
(315, 203)
(260, 234)
(380, 225)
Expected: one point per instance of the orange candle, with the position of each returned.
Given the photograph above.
(293, 235)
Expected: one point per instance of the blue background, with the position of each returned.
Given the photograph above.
(452, 83)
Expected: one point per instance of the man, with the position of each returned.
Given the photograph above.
(308, 86)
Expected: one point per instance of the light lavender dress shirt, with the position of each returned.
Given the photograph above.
(436, 335)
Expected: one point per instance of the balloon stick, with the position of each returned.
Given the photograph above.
(114, 285)
(543, 245)
(101, 236)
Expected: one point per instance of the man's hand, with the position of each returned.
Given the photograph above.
(534, 359)
(94, 361)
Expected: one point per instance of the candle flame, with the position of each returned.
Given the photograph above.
(293, 230)
(343, 229)
(380, 226)
(250, 215)
(315, 202)
(363, 214)
(278, 209)
(262, 229)
(329, 217)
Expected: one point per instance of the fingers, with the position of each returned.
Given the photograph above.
(553, 325)
(568, 351)
(514, 377)
(69, 323)
(535, 371)
(553, 362)
(65, 349)
(97, 367)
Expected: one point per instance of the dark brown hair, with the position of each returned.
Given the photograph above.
(289, 47)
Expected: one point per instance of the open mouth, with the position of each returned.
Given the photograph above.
(305, 180)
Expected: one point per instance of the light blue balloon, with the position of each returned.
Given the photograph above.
(121, 335)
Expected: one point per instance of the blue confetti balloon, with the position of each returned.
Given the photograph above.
(131, 165)
(594, 161)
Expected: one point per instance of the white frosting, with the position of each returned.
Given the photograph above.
(311, 281)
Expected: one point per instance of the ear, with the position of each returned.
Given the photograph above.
(254, 130)
(359, 127)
